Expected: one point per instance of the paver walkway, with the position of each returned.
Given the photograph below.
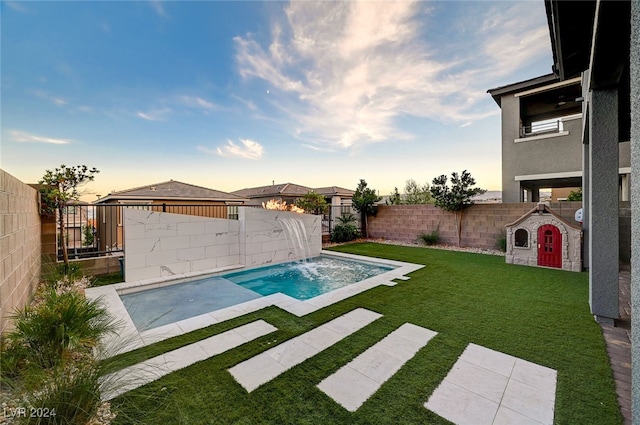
(486, 387)
(150, 370)
(358, 380)
(618, 342)
(269, 364)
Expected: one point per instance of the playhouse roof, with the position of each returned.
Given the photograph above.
(542, 208)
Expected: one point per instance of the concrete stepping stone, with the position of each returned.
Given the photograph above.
(359, 379)
(264, 367)
(152, 369)
(488, 387)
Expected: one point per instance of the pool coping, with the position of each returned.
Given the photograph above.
(129, 338)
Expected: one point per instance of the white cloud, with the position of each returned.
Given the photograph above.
(17, 6)
(24, 137)
(158, 6)
(198, 103)
(346, 72)
(248, 149)
(154, 115)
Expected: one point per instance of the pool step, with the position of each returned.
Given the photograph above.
(269, 364)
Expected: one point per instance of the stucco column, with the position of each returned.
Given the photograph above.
(635, 210)
(603, 204)
(586, 176)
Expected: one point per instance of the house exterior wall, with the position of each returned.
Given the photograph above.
(521, 157)
(20, 243)
(533, 156)
(635, 206)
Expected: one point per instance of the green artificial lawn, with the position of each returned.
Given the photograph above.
(539, 315)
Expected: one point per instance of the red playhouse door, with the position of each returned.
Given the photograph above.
(549, 246)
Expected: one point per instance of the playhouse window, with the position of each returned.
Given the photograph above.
(521, 238)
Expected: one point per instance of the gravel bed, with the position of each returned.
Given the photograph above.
(418, 245)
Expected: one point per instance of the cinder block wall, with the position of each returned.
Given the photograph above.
(482, 224)
(20, 243)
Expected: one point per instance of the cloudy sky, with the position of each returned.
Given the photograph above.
(229, 95)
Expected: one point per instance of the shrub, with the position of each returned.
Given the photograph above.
(501, 242)
(431, 238)
(70, 395)
(62, 322)
(346, 229)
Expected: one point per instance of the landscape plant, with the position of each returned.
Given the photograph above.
(88, 235)
(346, 229)
(417, 194)
(430, 238)
(47, 361)
(64, 321)
(414, 194)
(456, 197)
(575, 195)
(60, 188)
(313, 203)
(364, 201)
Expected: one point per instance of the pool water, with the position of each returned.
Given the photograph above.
(306, 279)
(301, 280)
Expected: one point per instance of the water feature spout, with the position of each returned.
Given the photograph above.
(296, 237)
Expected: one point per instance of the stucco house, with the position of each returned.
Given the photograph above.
(170, 196)
(542, 138)
(600, 43)
(290, 192)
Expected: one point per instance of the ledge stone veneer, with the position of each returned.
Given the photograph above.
(164, 244)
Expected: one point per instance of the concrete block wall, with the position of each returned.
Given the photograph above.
(164, 244)
(20, 242)
(482, 224)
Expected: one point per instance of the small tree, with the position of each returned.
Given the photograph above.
(313, 203)
(457, 197)
(363, 202)
(61, 189)
(415, 193)
(575, 195)
(394, 198)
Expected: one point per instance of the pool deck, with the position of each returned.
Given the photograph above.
(130, 338)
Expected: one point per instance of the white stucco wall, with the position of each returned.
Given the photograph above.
(163, 244)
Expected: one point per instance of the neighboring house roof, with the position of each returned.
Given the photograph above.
(335, 191)
(171, 190)
(291, 189)
(284, 189)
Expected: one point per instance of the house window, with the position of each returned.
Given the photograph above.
(232, 212)
(521, 238)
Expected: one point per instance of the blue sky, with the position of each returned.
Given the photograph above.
(229, 95)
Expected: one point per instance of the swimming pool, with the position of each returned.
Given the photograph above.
(302, 280)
